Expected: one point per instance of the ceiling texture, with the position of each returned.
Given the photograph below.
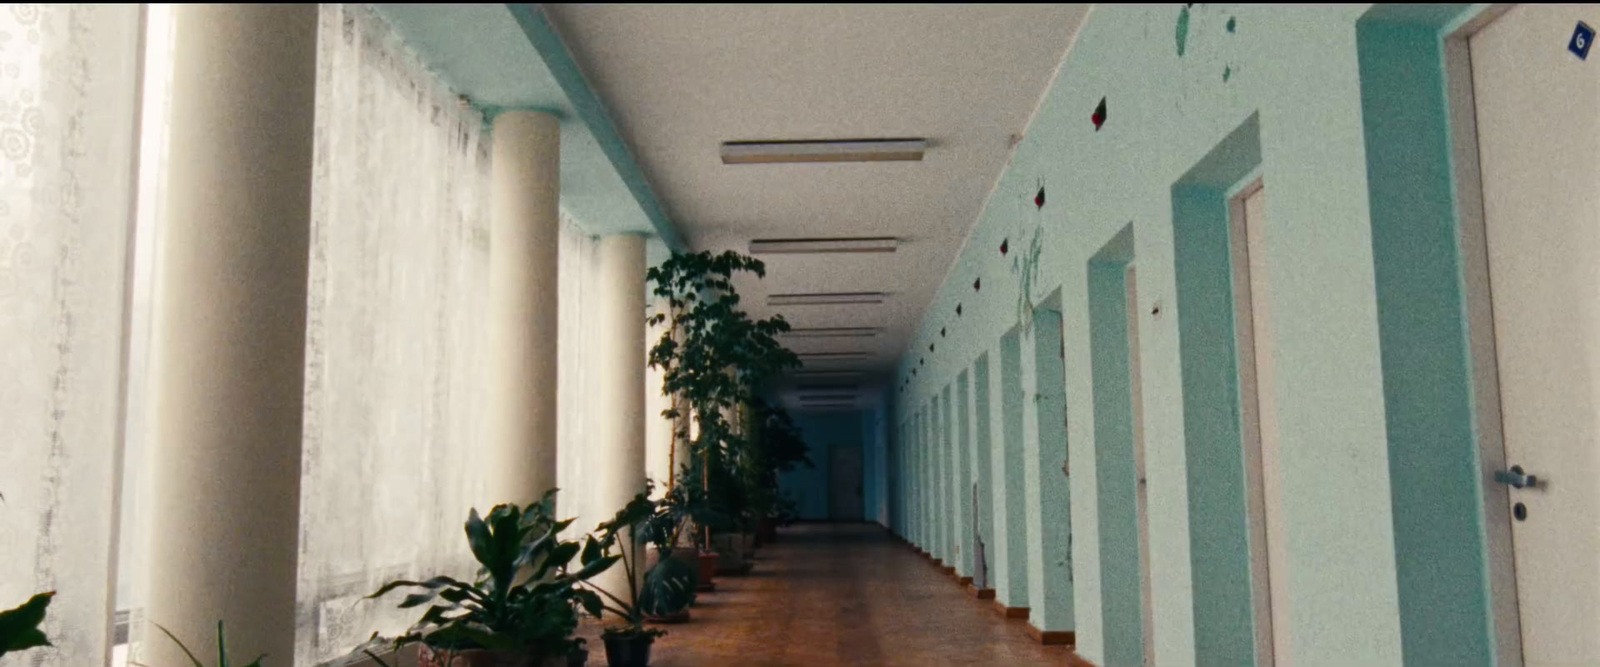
(679, 80)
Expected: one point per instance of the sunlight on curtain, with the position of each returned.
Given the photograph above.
(68, 103)
(576, 463)
(399, 275)
(155, 120)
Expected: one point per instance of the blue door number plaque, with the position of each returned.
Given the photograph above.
(1582, 39)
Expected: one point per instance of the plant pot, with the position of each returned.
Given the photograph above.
(730, 556)
(628, 650)
(708, 571)
(429, 656)
(680, 616)
(767, 529)
(578, 657)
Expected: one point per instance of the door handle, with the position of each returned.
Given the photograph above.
(1515, 478)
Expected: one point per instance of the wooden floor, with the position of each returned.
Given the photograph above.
(843, 594)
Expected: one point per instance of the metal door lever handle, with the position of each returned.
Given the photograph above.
(1515, 478)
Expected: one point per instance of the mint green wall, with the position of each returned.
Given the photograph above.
(1219, 542)
(1178, 81)
(982, 462)
(1011, 526)
(964, 494)
(946, 453)
(1121, 592)
(1045, 480)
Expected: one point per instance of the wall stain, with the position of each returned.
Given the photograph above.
(1183, 30)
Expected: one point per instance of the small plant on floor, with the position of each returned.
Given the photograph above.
(19, 627)
(222, 649)
(521, 608)
(667, 587)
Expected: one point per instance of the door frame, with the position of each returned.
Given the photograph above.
(1244, 303)
(1479, 324)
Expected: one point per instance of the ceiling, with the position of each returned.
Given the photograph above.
(678, 80)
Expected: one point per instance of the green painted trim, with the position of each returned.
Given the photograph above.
(1441, 544)
(1011, 588)
(593, 113)
(1050, 574)
(1219, 540)
(983, 458)
(1121, 588)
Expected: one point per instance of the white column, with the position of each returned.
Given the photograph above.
(658, 429)
(524, 235)
(618, 375)
(230, 322)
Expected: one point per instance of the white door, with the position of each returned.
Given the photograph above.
(1142, 500)
(1538, 117)
(1258, 417)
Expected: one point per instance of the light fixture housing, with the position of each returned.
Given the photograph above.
(833, 332)
(824, 150)
(833, 374)
(825, 298)
(832, 355)
(824, 246)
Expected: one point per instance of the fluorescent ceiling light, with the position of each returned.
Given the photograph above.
(818, 246)
(838, 150)
(820, 386)
(833, 332)
(825, 298)
(831, 355)
(838, 374)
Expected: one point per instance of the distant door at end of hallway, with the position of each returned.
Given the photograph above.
(845, 502)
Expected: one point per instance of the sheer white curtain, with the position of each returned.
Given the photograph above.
(577, 463)
(68, 112)
(399, 272)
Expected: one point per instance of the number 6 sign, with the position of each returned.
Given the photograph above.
(1582, 38)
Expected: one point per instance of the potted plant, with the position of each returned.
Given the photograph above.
(713, 358)
(664, 589)
(521, 609)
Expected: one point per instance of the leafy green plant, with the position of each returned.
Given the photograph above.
(19, 627)
(222, 649)
(524, 599)
(714, 358)
(664, 589)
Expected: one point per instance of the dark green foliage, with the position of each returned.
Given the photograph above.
(715, 359)
(525, 597)
(19, 627)
(222, 648)
(666, 588)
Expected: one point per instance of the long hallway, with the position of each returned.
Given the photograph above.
(844, 594)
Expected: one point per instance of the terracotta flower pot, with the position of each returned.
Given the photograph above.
(708, 571)
(429, 656)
